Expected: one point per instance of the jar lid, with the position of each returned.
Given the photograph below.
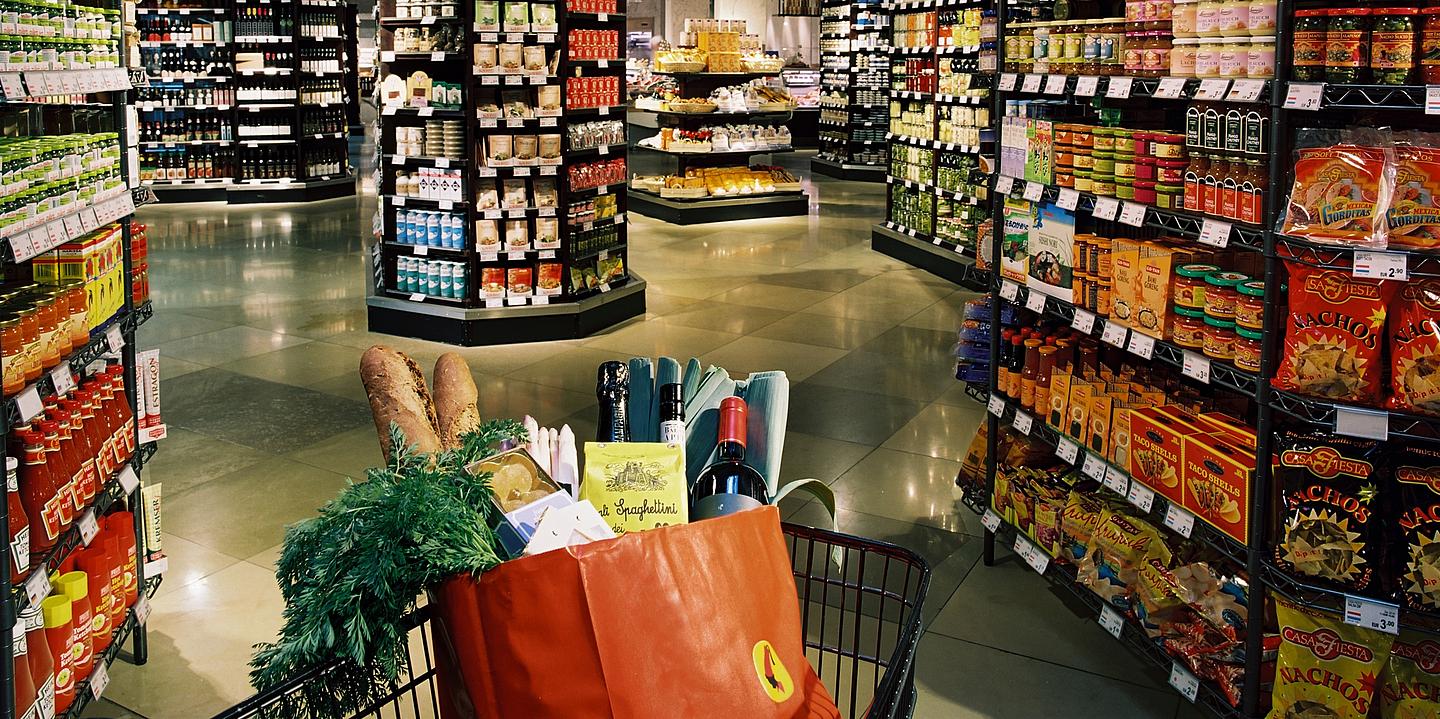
(1225, 279)
(1214, 321)
(1349, 11)
(1194, 314)
(1262, 38)
(1394, 11)
(1249, 334)
(1196, 270)
(1254, 288)
(1187, 40)
(1317, 12)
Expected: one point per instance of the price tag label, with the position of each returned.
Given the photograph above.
(1116, 481)
(421, 251)
(1069, 199)
(99, 679)
(603, 17)
(1106, 208)
(425, 112)
(1007, 82)
(1035, 301)
(1214, 233)
(1112, 621)
(1010, 291)
(1367, 423)
(1119, 87)
(1033, 555)
(1195, 366)
(1246, 90)
(1067, 450)
(1212, 88)
(490, 80)
(1004, 184)
(88, 527)
(996, 405)
(417, 296)
(1142, 345)
(29, 404)
(1184, 682)
(387, 56)
(1094, 467)
(1031, 83)
(63, 379)
(1086, 85)
(437, 56)
(1055, 85)
(1114, 334)
(493, 302)
(1381, 265)
(1179, 520)
(1304, 95)
(1023, 423)
(114, 338)
(1370, 614)
(1170, 88)
(1084, 321)
(142, 609)
(990, 520)
(1432, 99)
(1132, 214)
(1140, 496)
(21, 247)
(37, 587)
(1034, 191)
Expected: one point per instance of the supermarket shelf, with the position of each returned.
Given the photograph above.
(177, 143)
(417, 161)
(1337, 417)
(426, 250)
(18, 86)
(934, 255)
(49, 231)
(727, 75)
(1371, 97)
(705, 210)
(261, 39)
(395, 111)
(209, 182)
(938, 191)
(1419, 263)
(1333, 600)
(183, 11)
(152, 106)
(83, 692)
(416, 21)
(932, 144)
(187, 78)
(747, 113)
(265, 71)
(848, 171)
(1124, 87)
(725, 154)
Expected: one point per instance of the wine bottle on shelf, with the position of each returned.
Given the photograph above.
(612, 387)
(729, 485)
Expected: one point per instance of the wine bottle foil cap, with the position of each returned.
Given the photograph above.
(671, 393)
(613, 376)
(734, 420)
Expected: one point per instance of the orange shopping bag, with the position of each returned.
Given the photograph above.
(697, 620)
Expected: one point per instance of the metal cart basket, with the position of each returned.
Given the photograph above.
(861, 617)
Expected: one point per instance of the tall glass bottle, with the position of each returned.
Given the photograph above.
(612, 387)
(729, 485)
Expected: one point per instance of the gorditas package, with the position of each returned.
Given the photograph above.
(1325, 669)
(1340, 192)
(1417, 546)
(1413, 219)
(1333, 334)
(1329, 531)
(1415, 348)
(1411, 686)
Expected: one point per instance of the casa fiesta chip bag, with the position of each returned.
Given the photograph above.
(1330, 531)
(1325, 669)
(1341, 187)
(1410, 688)
(1417, 544)
(1415, 348)
(1333, 334)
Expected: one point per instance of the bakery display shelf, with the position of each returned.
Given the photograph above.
(84, 693)
(1132, 635)
(934, 255)
(101, 342)
(721, 154)
(702, 210)
(1418, 263)
(1369, 97)
(1120, 87)
(1221, 373)
(938, 191)
(726, 75)
(597, 151)
(1182, 222)
(1334, 600)
(1356, 420)
(847, 170)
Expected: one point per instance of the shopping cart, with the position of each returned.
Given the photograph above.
(860, 600)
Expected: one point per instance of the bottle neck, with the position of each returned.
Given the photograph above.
(731, 451)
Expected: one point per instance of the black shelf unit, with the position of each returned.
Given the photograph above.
(486, 191)
(854, 93)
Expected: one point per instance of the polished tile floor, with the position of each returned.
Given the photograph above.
(260, 321)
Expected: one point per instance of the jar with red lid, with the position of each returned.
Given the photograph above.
(1145, 192)
(1188, 329)
(1219, 338)
(1248, 346)
(1145, 167)
(1250, 305)
(1170, 171)
(1430, 46)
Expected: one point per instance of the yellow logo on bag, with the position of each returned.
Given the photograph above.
(774, 678)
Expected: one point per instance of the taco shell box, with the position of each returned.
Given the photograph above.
(1217, 483)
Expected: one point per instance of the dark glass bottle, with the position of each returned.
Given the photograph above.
(612, 388)
(729, 485)
(672, 414)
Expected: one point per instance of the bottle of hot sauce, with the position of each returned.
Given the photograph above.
(104, 467)
(122, 524)
(96, 422)
(19, 523)
(76, 587)
(125, 414)
(60, 635)
(37, 492)
(116, 563)
(42, 664)
(73, 457)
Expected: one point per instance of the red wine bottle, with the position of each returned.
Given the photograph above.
(729, 485)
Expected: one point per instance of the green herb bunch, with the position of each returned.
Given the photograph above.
(351, 575)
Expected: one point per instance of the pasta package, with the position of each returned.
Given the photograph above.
(1332, 334)
(1337, 195)
(636, 485)
(1413, 219)
(1415, 348)
(1417, 482)
(1325, 669)
(1330, 531)
(1410, 688)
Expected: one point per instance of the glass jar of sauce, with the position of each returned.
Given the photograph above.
(1182, 56)
(1190, 285)
(1221, 294)
(1248, 346)
(1430, 46)
(1188, 330)
(1347, 34)
(1250, 305)
(1392, 45)
(1219, 338)
(1260, 62)
(1207, 58)
(1309, 42)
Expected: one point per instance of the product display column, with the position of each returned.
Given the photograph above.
(855, 91)
(940, 139)
(500, 218)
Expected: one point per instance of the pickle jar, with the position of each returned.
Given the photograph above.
(1346, 35)
(1309, 44)
(1392, 45)
(1250, 305)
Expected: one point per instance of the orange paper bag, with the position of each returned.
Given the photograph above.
(691, 621)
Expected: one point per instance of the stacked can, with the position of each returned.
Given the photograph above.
(428, 228)
(436, 278)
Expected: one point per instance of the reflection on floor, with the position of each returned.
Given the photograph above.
(260, 321)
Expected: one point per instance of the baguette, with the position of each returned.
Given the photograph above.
(397, 392)
(456, 413)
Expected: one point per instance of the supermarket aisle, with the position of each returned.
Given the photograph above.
(260, 321)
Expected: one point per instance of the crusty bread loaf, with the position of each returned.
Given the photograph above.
(455, 400)
(397, 392)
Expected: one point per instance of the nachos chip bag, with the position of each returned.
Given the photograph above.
(1333, 334)
(1417, 546)
(1415, 348)
(1329, 532)
(1337, 195)
(1410, 688)
(1325, 669)
(1413, 218)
